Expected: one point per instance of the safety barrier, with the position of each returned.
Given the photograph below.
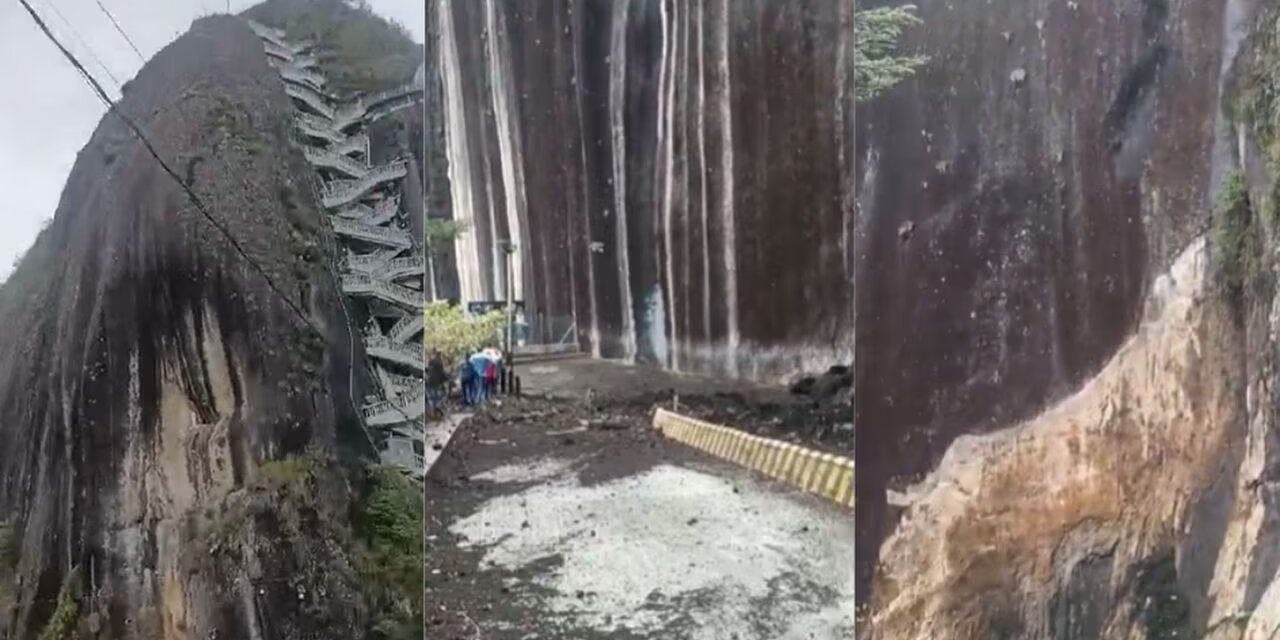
(824, 474)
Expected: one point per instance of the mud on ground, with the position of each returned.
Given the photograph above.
(611, 433)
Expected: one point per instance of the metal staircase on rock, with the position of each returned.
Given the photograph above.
(383, 270)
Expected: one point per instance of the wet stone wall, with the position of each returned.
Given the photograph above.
(677, 176)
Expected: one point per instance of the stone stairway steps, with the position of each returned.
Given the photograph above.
(396, 359)
(344, 192)
(362, 285)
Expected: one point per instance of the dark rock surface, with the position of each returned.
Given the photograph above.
(1016, 202)
(676, 174)
(147, 372)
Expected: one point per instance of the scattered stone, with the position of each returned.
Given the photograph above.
(692, 521)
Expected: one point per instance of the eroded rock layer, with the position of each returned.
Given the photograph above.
(1069, 306)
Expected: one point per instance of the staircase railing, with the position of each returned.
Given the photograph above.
(396, 237)
(339, 193)
(360, 283)
(336, 161)
(311, 97)
(308, 78)
(411, 354)
(406, 327)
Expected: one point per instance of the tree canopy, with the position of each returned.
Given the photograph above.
(877, 67)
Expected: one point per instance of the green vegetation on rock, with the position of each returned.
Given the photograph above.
(364, 52)
(9, 548)
(877, 67)
(438, 234)
(290, 476)
(1255, 86)
(66, 616)
(1236, 242)
(388, 557)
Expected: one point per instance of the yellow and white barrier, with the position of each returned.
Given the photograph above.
(824, 474)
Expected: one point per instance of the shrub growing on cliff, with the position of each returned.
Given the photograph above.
(877, 67)
(389, 558)
(366, 52)
(438, 234)
(66, 616)
(8, 548)
(289, 476)
(1236, 245)
(456, 333)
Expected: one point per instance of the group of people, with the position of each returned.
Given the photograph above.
(477, 377)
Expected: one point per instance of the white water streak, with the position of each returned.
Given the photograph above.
(459, 156)
(702, 173)
(726, 191)
(617, 99)
(509, 152)
(666, 119)
(586, 202)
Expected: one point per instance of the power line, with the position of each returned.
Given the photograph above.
(121, 31)
(195, 200)
(76, 34)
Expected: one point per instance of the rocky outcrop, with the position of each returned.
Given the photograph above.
(1049, 468)
(673, 174)
(180, 425)
(1016, 201)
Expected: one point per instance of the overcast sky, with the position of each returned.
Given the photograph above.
(49, 111)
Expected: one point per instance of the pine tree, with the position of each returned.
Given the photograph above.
(876, 65)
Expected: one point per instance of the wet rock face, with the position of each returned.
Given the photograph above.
(1048, 162)
(676, 175)
(146, 371)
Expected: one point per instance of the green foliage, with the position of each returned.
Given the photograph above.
(876, 65)
(66, 616)
(439, 233)
(366, 52)
(455, 333)
(9, 548)
(290, 476)
(1256, 85)
(1236, 242)
(388, 557)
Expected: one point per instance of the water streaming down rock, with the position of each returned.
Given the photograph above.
(676, 175)
(1066, 373)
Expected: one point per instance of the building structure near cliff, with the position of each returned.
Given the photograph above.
(382, 262)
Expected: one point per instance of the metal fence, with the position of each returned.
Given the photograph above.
(543, 329)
